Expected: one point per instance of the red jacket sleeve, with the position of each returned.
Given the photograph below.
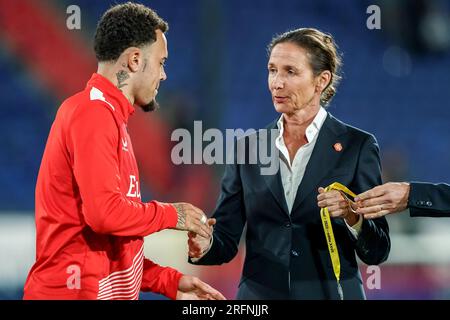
(93, 139)
(163, 280)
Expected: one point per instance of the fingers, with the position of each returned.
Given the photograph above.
(191, 218)
(201, 223)
(379, 214)
(204, 229)
(331, 198)
(369, 202)
(208, 290)
(195, 249)
(373, 208)
(188, 296)
(337, 211)
(217, 296)
(197, 214)
(196, 221)
(371, 205)
(211, 222)
(199, 228)
(191, 234)
(194, 254)
(385, 199)
(197, 245)
(329, 195)
(374, 211)
(372, 202)
(336, 203)
(372, 193)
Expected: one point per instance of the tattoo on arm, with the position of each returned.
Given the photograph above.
(181, 216)
(122, 76)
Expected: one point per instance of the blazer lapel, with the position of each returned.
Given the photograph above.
(323, 158)
(275, 186)
(273, 182)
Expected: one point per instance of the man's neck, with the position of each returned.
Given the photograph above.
(117, 75)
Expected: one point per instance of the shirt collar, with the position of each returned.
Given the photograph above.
(312, 130)
(112, 94)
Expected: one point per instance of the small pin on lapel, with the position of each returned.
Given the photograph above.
(338, 147)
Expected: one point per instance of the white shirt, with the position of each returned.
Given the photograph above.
(292, 173)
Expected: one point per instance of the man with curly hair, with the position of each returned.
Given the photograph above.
(90, 220)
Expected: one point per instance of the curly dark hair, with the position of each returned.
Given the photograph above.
(123, 26)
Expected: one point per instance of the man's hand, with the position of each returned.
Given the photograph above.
(388, 198)
(192, 288)
(191, 218)
(198, 244)
(338, 205)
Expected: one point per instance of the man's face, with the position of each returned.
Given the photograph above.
(152, 72)
(291, 79)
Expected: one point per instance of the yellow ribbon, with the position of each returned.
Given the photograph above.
(329, 235)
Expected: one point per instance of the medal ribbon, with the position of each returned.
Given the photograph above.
(329, 235)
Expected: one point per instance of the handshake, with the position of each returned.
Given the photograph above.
(199, 227)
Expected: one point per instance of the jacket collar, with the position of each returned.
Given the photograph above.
(323, 159)
(112, 95)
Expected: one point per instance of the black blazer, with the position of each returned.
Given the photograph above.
(286, 254)
(429, 200)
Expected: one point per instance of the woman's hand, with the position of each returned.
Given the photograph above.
(339, 206)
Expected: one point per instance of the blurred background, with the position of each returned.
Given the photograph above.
(396, 85)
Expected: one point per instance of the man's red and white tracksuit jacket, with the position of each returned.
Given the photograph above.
(90, 219)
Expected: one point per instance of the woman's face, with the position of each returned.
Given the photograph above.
(291, 79)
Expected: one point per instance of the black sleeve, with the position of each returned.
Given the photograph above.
(429, 200)
(230, 217)
(373, 244)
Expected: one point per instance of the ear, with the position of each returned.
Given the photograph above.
(323, 80)
(134, 59)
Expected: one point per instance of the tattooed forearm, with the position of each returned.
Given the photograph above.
(122, 76)
(181, 224)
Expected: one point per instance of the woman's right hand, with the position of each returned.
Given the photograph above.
(198, 244)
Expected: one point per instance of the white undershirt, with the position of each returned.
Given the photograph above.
(292, 173)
